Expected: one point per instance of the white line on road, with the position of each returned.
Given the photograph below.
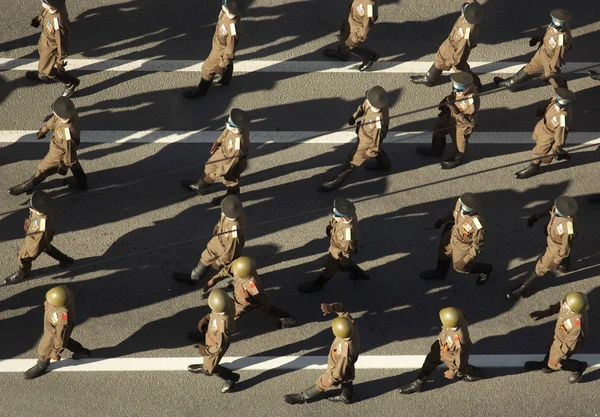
(267, 137)
(393, 67)
(263, 363)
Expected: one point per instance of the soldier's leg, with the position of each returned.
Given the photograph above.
(69, 81)
(382, 162)
(432, 75)
(564, 264)
(228, 376)
(44, 351)
(356, 272)
(438, 139)
(432, 361)
(233, 188)
(577, 368)
(537, 366)
(482, 270)
(22, 273)
(444, 256)
(64, 260)
(346, 395)
(79, 176)
(45, 64)
(304, 396)
(345, 171)
(77, 349)
(209, 69)
(45, 168)
(199, 272)
(285, 319)
(368, 57)
(520, 77)
(330, 268)
(541, 149)
(543, 266)
(342, 51)
(459, 140)
(225, 79)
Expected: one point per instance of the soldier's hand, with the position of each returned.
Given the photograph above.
(540, 112)
(351, 121)
(328, 230)
(208, 285)
(41, 134)
(460, 265)
(531, 221)
(538, 315)
(35, 22)
(449, 374)
(326, 308)
(60, 66)
(203, 325)
(438, 224)
(534, 41)
(562, 155)
(55, 357)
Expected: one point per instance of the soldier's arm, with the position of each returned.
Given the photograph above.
(230, 249)
(368, 22)
(68, 141)
(340, 310)
(466, 117)
(572, 338)
(459, 355)
(559, 53)
(203, 323)
(232, 43)
(36, 241)
(61, 37)
(560, 136)
(545, 212)
(35, 22)
(50, 124)
(339, 372)
(477, 245)
(360, 111)
(565, 245)
(350, 245)
(385, 123)
(474, 38)
(62, 335)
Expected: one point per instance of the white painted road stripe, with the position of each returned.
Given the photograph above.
(165, 136)
(393, 67)
(261, 363)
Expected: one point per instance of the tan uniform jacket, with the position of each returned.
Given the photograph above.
(58, 325)
(229, 155)
(468, 235)
(218, 336)
(371, 132)
(466, 117)
(569, 333)
(561, 231)
(455, 345)
(53, 45)
(64, 142)
(39, 232)
(227, 243)
(550, 133)
(342, 357)
(248, 293)
(224, 44)
(344, 239)
(553, 49)
(457, 47)
(361, 18)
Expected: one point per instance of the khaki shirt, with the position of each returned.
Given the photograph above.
(462, 38)
(373, 128)
(230, 152)
(55, 30)
(363, 15)
(39, 232)
(58, 323)
(228, 241)
(555, 125)
(561, 231)
(571, 328)
(227, 36)
(468, 232)
(555, 46)
(65, 139)
(468, 109)
(344, 238)
(343, 353)
(218, 333)
(455, 345)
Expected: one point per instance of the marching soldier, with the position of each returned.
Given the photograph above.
(452, 347)
(342, 357)
(594, 75)
(218, 67)
(248, 292)
(218, 326)
(454, 52)
(371, 130)
(226, 244)
(228, 158)
(62, 155)
(39, 232)
(457, 118)
(343, 245)
(560, 231)
(53, 46)
(354, 30)
(550, 133)
(462, 239)
(59, 321)
(569, 334)
(550, 55)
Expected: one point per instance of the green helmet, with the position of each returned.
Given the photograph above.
(217, 300)
(450, 316)
(57, 296)
(342, 327)
(577, 301)
(243, 266)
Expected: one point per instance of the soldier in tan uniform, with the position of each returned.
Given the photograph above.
(343, 245)
(362, 15)
(226, 244)
(462, 240)
(550, 56)
(53, 46)
(229, 157)
(218, 67)
(248, 291)
(39, 231)
(218, 325)
(454, 52)
(452, 347)
(550, 133)
(371, 131)
(342, 357)
(457, 118)
(59, 321)
(62, 155)
(569, 334)
(560, 231)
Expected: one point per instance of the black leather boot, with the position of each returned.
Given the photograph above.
(201, 187)
(521, 290)
(368, 63)
(63, 260)
(336, 54)
(513, 81)
(577, 369)
(530, 171)
(428, 79)
(19, 276)
(70, 83)
(303, 397)
(38, 369)
(194, 277)
(382, 163)
(346, 394)
(440, 271)
(453, 161)
(475, 374)
(24, 187)
(199, 91)
(230, 378)
(316, 285)
(415, 386)
(337, 182)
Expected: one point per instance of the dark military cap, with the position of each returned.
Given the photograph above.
(239, 118)
(473, 13)
(565, 94)
(567, 206)
(235, 7)
(462, 78)
(57, 4)
(561, 15)
(377, 96)
(64, 108)
(232, 207)
(40, 201)
(470, 201)
(344, 207)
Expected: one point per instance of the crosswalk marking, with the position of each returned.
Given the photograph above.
(389, 67)
(266, 137)
(262, 363)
